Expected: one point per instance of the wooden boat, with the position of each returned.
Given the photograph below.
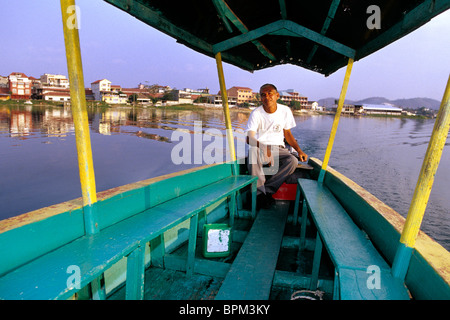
(324, 238)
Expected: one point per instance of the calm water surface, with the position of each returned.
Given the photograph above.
(39, 164)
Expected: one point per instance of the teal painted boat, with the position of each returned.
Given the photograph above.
(199, 234)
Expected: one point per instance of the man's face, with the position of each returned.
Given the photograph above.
(269, 96)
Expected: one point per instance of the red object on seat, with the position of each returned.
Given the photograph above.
(286, 192)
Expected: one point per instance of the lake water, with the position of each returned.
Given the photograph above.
(39, 164)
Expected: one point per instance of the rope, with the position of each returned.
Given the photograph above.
(316, 293)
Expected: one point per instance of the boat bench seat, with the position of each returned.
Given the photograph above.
(251, 274)
(361, 272)
(54, 275)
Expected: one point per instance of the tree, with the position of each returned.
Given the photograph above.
(133, 98)
(296, 105)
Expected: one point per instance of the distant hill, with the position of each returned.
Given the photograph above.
(413, 103)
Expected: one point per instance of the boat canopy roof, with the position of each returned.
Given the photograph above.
(257, 34)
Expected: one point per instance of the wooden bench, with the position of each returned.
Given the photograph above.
(251, 274)
(49, 276)
(352, 253)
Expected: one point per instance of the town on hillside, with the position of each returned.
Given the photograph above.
(55, 87)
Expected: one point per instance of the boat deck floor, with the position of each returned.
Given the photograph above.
(172, 284)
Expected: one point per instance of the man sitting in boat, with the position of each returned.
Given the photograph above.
(267, 128)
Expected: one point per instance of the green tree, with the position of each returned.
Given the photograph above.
(295, 105)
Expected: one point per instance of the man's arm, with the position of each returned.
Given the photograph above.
(251, 140)
(293, 143)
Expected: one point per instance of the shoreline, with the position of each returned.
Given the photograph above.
(194, 107)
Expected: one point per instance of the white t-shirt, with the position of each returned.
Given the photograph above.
(269, 126)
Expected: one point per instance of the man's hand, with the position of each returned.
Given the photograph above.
(267, 154)
(303, 156)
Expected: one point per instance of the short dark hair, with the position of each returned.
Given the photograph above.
(268, 85)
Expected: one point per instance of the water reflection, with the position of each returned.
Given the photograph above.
(27, 121)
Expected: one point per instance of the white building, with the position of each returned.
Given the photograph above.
(56, 95)
(216, 100)
(99, 86)
(104, 91)
(54, 80)
(378, 109)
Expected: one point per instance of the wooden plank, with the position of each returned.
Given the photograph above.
(336, 228)
(357, 285)
(202, 266)
(251, 274)
(297, 281)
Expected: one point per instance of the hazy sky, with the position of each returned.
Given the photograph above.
(127, 52)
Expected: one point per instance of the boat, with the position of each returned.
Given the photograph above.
(199, 234)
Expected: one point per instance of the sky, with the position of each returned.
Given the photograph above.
(127, 52)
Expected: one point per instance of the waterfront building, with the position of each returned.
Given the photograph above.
(51, 87)
(216, 100)
(19, 86)
(4, 83)
(143, 94)
(314, 105)
(100, 86)
(104, 91)
(180, 96)
(54, 80)
(360, 109)
(236, 96)
(242, 94)
(54, 94)
(386, 109)
(4, 93)
(286, 96)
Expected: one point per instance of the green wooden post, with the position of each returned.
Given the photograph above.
(98, 288)
(297, 203)
(316, 263)
(192, 245)
(135, 274)
(303, 226)
(254, 188)
(232, 208)
(157, 251)
(336, 287)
